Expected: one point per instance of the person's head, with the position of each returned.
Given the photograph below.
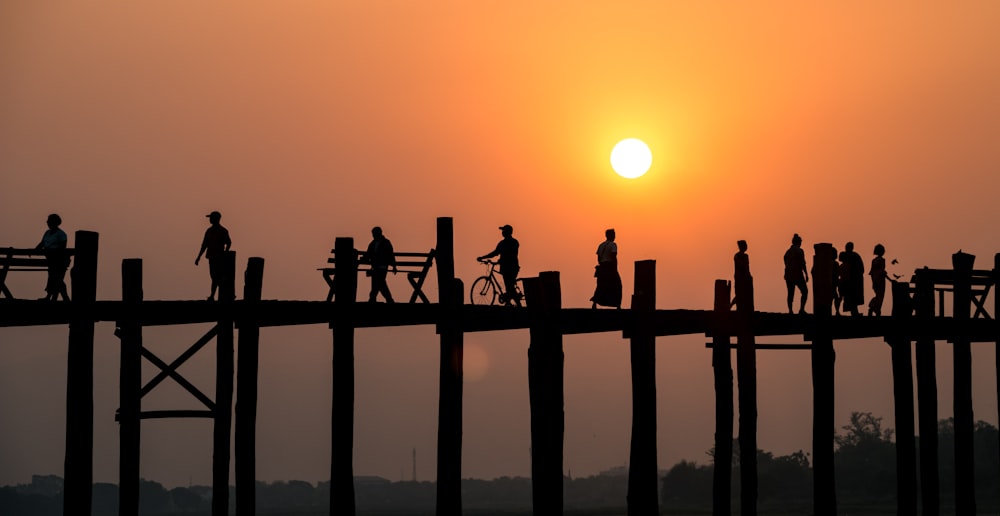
(849, 247)
(833, 251)
(214, 217)
(879, 250)
(796, 239)
(742, 245)
(53, 221)
(506, 230)
(376, 232)
(843, 256)
(609, 234)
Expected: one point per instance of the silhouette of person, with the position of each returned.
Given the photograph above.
(879, 276)
(796, 275)
(835, 284)
(380, 255)
(609, 283)
(213, 245)
(741, 272)
(853, 295)
(54, 244)
(509, 267)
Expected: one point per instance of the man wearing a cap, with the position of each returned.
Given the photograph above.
(215, 243)
(509, 267)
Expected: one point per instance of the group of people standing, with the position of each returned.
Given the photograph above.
(848, 271)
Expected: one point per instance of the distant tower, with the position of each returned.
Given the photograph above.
(414, 464)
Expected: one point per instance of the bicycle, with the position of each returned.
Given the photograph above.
(488, 289)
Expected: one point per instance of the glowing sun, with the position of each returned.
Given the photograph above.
(631, 158)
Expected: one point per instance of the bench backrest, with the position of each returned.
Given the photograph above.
(416, 261)
(12, 259)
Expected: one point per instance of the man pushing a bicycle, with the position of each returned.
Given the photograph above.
(509, 266)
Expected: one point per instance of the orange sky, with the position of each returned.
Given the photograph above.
(303, 121)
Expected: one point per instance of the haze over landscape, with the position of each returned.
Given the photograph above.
(305, 121)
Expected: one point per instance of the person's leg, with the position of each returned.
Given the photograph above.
(213, 272)
(790, 286)
(805, 295)
(510, 286)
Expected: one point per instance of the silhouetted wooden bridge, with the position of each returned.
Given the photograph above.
(914, 319)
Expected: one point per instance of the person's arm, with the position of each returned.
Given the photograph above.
(204, 246)
(490, 255)
(229, 242)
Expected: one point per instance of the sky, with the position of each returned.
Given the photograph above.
(303, 121)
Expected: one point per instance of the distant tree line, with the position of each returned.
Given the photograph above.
(865, 462)
(865, 475)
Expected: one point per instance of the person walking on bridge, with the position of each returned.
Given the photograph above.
(215, 243)
(854, 293)
(380, 255)
(609, 282)
(796, 275)
(509, 267)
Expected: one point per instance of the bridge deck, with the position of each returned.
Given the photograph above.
(572, 321)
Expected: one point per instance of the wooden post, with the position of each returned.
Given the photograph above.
(245, 433)
(545, 391)
(223, 427)
(642, 497)
(823, 358)
(965, 485)
(342, 441)
(722, 366)
(79, 466)
(130, 389)
(927, 402)
(449, 439)
(746, 377)
(902, 388)
(996, 317)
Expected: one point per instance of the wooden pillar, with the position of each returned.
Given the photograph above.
(449, 438)
(902, 387)
(927, 397)
(965, 485)
(222, 432)
(130, 389)
(245, 433)
(722, 366)
(79, 466)
(996, 318)
(545, 391)
(823, 358)
(342, 440)
(746, 377)
(643, 476)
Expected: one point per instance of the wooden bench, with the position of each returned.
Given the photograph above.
(415, 265)
(12, 259)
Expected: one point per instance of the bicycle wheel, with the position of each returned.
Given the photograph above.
(483, 291)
